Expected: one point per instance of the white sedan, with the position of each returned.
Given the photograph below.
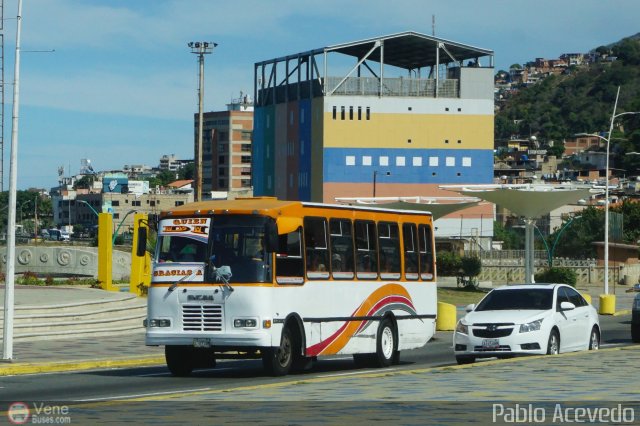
(526, 319)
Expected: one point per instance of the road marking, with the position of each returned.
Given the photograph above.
(354, 373)
(165, 373)
(141, 395)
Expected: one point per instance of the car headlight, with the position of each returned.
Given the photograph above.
(462, 328)
(152, 323)
(532, 326)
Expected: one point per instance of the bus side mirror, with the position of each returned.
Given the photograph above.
(141, 249)
(271, 237)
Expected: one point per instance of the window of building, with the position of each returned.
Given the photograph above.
(152, 203)
(366, 160)
(245, 159)
(221, 159)
(450, 161)
(350, 160)
(115, 203)
(359, 113)
(400, 161)
(417, 161)
(466, 161)
(116, 215)
(384, 160)
(342, 111)
(368, 113)
(350, 113)
(335, 112)
(433, 161)
(221, 183)
(135, 203)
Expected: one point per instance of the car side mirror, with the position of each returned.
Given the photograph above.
(567, 306)
(470, 307)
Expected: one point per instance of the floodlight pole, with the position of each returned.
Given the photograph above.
(199, 48)
(606, 201)
(7, 347)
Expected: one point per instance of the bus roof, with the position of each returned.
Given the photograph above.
(269, 206)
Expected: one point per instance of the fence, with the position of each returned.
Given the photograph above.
(507, 266)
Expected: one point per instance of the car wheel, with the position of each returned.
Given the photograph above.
(553, 347)
(462, 360)
(594, 339)
(180, 360)
(385, 344)
(635, 333)
(277, 361)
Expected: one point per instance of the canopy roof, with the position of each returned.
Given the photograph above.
(410, 50)
(437, 206)
(530, 201)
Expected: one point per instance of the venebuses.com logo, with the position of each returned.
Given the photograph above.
(18, 413)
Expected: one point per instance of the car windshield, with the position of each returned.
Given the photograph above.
(525, 298)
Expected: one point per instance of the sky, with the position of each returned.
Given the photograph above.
(113, 81)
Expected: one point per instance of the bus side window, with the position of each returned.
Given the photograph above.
(341, 234)
(289, 262)
(389, 245)
(409, 237)
(366, 249)
(425, 238)
(316, 247)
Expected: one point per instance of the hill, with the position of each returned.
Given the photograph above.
(581, 101)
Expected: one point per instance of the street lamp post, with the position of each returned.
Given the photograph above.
(375, 174)
(606, 188)
(200, 48)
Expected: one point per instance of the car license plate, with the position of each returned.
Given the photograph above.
(202, 342)
(490, 343)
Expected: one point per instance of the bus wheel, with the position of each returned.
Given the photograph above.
(180, 360)
(385, 343)
(277, 361)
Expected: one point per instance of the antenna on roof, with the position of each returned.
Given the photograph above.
(433, 25)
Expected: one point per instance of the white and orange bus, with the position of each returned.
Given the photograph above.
(289, 281)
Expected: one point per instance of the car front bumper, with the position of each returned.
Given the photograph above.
(531, 343)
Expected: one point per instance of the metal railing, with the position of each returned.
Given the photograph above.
(406, 87)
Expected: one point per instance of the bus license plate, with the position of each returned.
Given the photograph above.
(202, 342)
(490, 343)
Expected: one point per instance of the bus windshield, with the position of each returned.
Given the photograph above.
(238, 242)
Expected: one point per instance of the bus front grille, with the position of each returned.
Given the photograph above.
(202, 317)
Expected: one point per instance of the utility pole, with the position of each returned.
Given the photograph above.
(199, 48)
(7, 349)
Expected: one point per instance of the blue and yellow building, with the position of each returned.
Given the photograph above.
(396, 115)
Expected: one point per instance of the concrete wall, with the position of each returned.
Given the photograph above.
(65, 260)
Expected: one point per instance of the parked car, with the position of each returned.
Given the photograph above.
(526, 319)
(635, 320)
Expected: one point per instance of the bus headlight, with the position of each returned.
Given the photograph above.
(245, 322)
(154, 322)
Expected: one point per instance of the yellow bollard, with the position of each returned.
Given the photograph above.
(105, 252)
(607, 304)
(446, 320)
(587, 297)
(140, 278)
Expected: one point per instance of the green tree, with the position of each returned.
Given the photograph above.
(556, 150)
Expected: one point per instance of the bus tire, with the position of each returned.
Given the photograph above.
(386, 345)
(278, 361)
(180, 360)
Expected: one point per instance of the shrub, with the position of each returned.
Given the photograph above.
(471, 266)
(449, 264)
(557, 275)
(29, 278)
(49, 280)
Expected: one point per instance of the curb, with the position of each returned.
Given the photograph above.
(9, 369)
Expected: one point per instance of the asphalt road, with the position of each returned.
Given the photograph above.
(119, 384)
